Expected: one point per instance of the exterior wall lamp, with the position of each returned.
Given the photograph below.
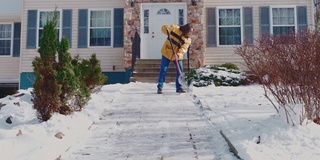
(194, 2)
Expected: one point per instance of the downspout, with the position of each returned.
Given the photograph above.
(318, 14)
(315, 12)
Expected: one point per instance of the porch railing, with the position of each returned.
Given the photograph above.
(135, 50)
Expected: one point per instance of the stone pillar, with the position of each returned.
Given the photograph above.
(132, 25)
(196, 49)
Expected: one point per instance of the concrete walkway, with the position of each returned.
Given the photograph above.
(142, 125)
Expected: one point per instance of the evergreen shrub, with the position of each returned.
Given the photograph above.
(226, 74)
(62, 85)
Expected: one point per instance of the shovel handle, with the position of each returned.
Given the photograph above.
(176, 61)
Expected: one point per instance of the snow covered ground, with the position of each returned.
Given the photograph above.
(242, 113)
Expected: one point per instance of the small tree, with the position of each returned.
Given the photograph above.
(47, 90)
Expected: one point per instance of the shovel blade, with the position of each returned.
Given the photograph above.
(183, 82)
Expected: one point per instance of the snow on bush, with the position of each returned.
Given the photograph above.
(216, 75)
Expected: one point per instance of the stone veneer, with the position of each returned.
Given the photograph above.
(132, 25)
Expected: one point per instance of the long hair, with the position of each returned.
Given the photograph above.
(186, 29)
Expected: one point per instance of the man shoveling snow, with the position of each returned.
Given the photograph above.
(173, 49)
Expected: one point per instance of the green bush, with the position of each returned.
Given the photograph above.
(90, 71)
(91, 76)
(69, 81)
(230, 66)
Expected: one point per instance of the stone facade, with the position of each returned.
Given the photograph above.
(132, 25)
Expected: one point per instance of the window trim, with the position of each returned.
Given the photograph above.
(11, 39)
(38, 27)
(295, 17)
(111, 27)
(218, 25)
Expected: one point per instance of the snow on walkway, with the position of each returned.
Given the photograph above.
(131, 121)
(139, 124)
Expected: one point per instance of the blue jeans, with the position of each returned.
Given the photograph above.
(163, 71)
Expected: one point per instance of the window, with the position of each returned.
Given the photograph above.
(5, 39)
(229, 26)
(146, 21)
(283, 20)
(100, 28)
(163, 11)
(44, 17)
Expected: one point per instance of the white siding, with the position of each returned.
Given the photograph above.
(9, 69)
(10, 11)
(108, 57)
(222, 54)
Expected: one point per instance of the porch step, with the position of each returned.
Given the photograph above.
(147, 70)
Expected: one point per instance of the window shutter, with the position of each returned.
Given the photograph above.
(16, 39)
(211, 27)
(118, 27)
(264, 20)
(67, 25)
(83, 28)
(32, 29)
(302, 18)
(248, 24)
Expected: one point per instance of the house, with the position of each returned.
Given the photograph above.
(90, 26)
(108, 29)
(10, 24)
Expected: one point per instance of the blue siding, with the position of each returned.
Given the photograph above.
(27, 78)
(118, 77)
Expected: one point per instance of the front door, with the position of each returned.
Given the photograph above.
(153, 16)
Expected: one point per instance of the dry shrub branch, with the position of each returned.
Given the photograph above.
(288, 67)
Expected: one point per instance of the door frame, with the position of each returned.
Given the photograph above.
(143, 47)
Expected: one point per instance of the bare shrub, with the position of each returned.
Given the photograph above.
(288, 66)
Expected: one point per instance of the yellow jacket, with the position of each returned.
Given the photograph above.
(179, 42)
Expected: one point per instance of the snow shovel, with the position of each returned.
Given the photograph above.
(181, 78)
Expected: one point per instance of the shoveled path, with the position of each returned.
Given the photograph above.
(139, 124)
